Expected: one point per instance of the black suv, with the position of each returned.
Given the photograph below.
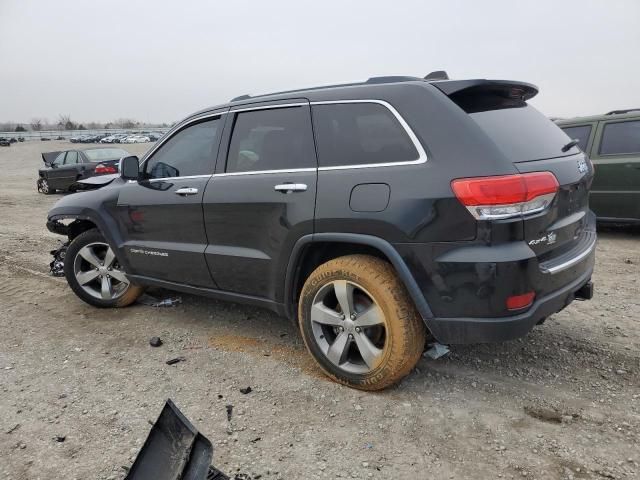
(373, 214)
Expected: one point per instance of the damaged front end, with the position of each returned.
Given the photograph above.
(174, 450)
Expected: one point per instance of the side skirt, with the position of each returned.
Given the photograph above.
(211, 293)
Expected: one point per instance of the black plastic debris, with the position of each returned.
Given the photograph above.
(229, 412)
(60, 438)
(173, 361)
(155, 341)
(246, 390)
(174, 450)
(56, 267)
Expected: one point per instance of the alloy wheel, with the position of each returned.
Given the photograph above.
(349, 326)
(98, 273)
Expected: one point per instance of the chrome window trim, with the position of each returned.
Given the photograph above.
(422, 155)
(266, 172)
(186, 177)
(267, 107)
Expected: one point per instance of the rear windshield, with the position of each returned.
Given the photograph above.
(105, 154)
(520, 131)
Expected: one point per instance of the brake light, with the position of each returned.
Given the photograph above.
(516, 302)
(101, 168)
(506, 196)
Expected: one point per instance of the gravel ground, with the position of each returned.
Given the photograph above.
(564, 402)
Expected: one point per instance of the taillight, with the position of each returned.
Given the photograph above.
(505, 196)
(101, 168)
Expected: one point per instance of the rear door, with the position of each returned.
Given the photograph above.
(616, 155)
(160, 216)
(262, 197)
(65, 171)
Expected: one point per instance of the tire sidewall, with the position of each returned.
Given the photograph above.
(85, 238)
(396, 311)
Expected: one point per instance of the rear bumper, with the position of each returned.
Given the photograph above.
(479, 330)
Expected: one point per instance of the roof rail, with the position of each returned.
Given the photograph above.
(392, 79)
(618, 112)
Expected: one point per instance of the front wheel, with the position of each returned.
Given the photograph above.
(359, 323)
(94, 273)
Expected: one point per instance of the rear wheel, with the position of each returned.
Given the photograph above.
(359, 323)
(95, 275)
(43, 186)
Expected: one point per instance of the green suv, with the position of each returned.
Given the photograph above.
(612, 141)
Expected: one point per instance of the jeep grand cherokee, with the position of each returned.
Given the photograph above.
(373, 214)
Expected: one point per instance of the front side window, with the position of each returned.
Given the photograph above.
(580, 133)
(620, 138)
(360, 134)
(271, 139)
(189, 152)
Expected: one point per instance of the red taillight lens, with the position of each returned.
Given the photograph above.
(506, 195)
(100, 168)
(516, 302)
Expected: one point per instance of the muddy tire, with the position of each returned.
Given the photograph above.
(359, 323)
(94, 274)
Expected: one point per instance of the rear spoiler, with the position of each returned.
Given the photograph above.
(504, 88)
(49, 157)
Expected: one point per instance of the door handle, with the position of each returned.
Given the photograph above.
(186, 191)
(290, 187)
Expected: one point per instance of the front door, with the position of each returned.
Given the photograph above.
(160, 216)
(615, 193)
(262, 198)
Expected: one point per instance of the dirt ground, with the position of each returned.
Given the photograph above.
(564, 402)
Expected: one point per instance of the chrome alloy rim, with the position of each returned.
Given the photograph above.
(349, 326)
(98, 273)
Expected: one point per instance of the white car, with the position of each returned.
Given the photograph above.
(135, 139)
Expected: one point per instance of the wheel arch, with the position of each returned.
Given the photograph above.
(312, 250)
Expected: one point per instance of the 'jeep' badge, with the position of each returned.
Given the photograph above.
(582, 165)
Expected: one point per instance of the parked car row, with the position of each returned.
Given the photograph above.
(117, 138)
(6, 142)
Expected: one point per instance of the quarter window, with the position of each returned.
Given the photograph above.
(359, 134)
(620, 138)
(271, 139)
(59, 159)
(580, 133)
(191, 151)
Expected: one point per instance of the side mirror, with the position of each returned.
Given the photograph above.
(130, 168)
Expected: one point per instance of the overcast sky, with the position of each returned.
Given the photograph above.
(160, 60)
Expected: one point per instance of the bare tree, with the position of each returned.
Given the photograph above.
(125, 123)
(36, 124)
(64, 121)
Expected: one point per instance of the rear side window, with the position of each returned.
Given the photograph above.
(72, 157)
(620, 138)
(189, 152)
(360, 134)
(271, 139)
(581, 133)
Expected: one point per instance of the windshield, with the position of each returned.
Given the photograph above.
(105, 154)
